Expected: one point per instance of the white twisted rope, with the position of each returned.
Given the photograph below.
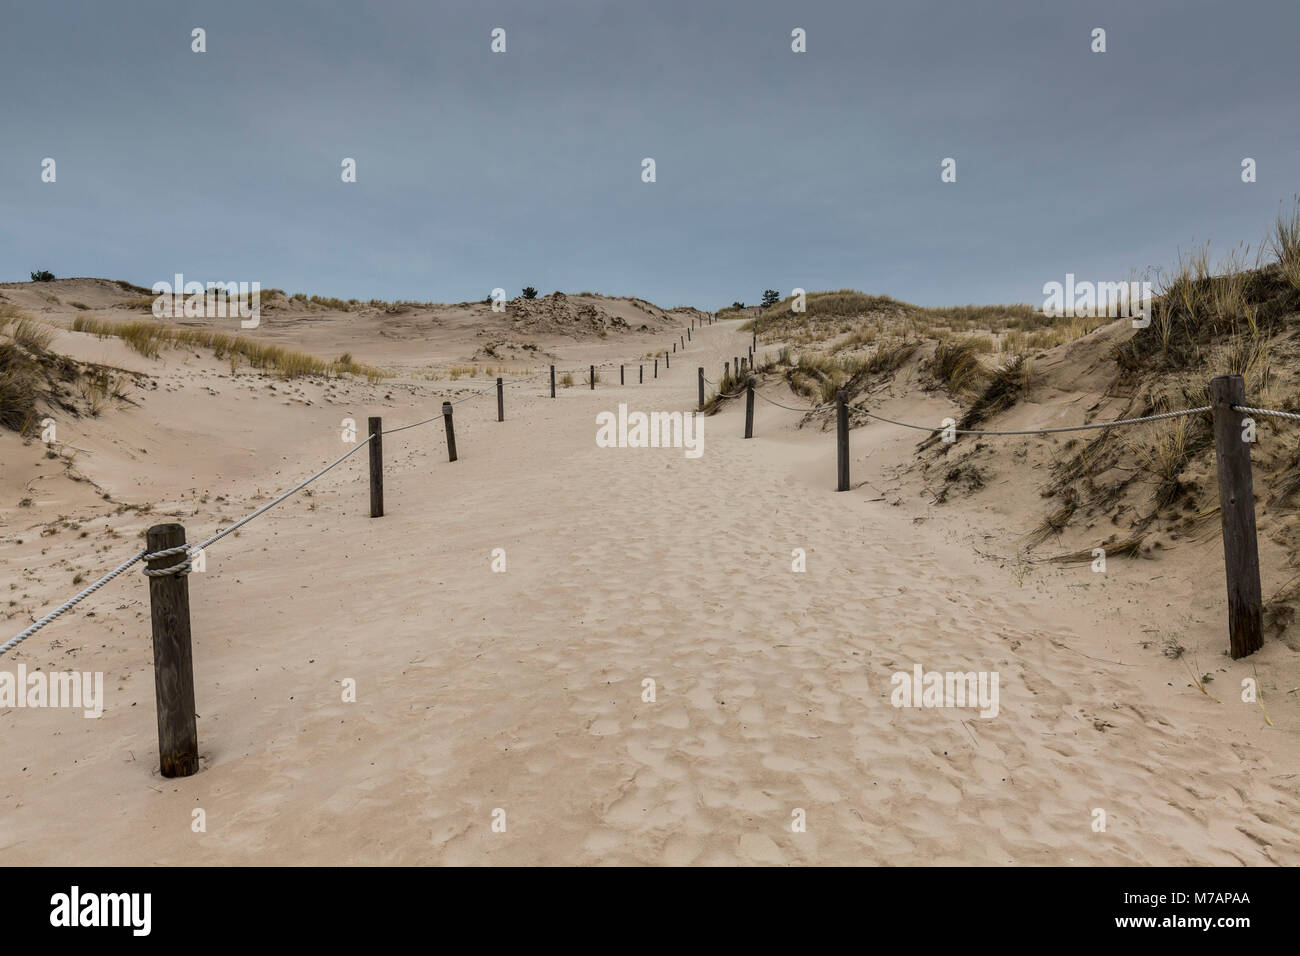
(294, 490)
(1266, 411)
(1042, 431)
(185, 566)
(66, 605)
(180, 568)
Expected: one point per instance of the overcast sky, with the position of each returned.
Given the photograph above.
(774, 168)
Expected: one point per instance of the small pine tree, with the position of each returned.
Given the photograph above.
(43, 276)
(737, 305)
(770, 298)
(530, 292)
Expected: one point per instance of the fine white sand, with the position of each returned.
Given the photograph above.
(523, 690)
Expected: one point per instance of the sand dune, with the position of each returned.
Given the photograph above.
(522, 691)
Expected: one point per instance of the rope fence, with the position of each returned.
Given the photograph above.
(169, 596)
(184, 566)
(1233, 435)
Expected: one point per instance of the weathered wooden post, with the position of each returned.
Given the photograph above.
(656, 366)
(1237, 507)
(842, 440)
(501, 401)
(591, 377)
(451, 431)
(674, 347)
(688, 331)
(640, 374)
(749, 408)
(173, 660)
(620, 375)
(552, 381)
(701, 378)
(376, 467)
(735, 363)
(668, 364)
(683, 340)
(726, 370)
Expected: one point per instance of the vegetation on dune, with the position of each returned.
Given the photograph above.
(34, 380)
(149, 338)
(1238, 316)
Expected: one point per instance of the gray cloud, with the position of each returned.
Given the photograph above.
(476, 170)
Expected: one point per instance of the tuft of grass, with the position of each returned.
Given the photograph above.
(1053, 523)
(1130, 547)
(1285, 244)
(957, 367)
(1164, 458)
(27, 332)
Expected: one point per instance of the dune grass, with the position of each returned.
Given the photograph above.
(149, 338)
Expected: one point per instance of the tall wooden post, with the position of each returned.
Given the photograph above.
(700, 373)
(749, 408)
(688, 331)
(726, 370)
(640, 374)
(376, 467)
(173, 660)
(656, 366)
(591, 377)
(842, 440)
(451, 431)
(667, 363)
(620, 375)
(501, 401)
(1237, 506)
(552, 381)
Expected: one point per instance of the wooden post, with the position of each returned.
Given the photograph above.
(552, 381)
(683, 340)
(656, 366)
(376, 467)
(667, 362)
(842, 439)
(451, 431)
(749, 408)
(640, 374)
(1237, 506)
(173, 660)
(674, 346)
(591, 377)
(735, 363)
(701, 377)
(501, 401)
(688, 331)
(620, 375)
(726, 370)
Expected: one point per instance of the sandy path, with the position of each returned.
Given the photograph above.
(522, 691)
